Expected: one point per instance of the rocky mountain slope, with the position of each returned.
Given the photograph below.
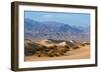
(54, 30)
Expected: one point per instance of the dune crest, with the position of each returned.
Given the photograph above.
(49, 49)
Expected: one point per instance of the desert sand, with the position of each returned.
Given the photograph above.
(80, 53)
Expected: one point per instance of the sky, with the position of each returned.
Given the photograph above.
(74, 19)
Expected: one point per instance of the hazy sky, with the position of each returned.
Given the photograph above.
(77, 19)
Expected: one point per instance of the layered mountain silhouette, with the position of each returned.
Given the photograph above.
(53, 30)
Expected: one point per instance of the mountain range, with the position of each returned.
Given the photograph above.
(54, 30)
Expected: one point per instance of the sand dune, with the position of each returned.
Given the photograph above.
(81, 53)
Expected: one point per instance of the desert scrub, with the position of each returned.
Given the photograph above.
(31, 48)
